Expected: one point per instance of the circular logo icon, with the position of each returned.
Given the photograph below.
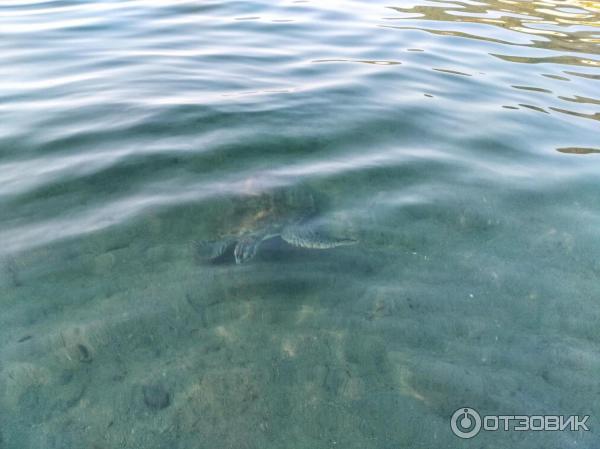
(465, 423)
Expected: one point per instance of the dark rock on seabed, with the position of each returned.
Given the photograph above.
(156, 396)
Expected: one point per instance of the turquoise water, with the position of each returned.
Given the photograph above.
(455, 141)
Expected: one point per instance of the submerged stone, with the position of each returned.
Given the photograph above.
(156, 397)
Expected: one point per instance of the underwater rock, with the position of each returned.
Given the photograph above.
(85, 356)
(156, 396)
(12, 272)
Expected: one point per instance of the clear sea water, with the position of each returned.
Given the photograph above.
(455, 140)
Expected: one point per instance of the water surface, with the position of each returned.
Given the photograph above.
(457, 142)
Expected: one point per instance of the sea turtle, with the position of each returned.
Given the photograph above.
(289, 213)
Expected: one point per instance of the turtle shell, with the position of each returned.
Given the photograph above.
(268, 211)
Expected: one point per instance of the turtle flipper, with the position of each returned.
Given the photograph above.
(313, 237)
(246, 247)
(212, 250)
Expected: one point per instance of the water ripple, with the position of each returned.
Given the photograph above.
(457, 140)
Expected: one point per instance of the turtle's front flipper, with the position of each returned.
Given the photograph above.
(310, 236)
(212, 250)
(245, 249)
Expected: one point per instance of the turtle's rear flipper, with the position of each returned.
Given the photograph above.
(309, 236)
(245, 249)
(212, 250)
